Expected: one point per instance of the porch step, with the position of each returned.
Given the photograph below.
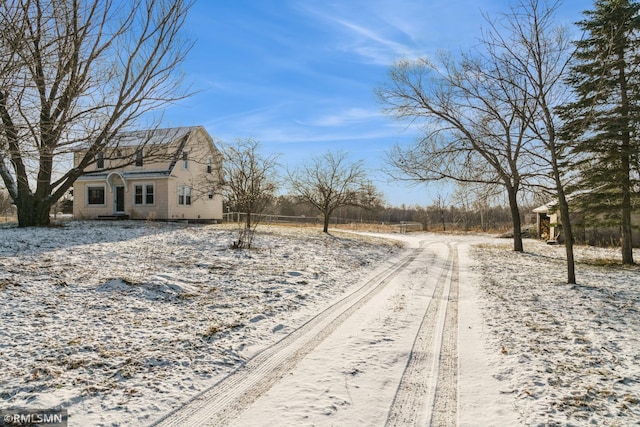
(114, 217)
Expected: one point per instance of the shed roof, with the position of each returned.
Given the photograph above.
(544, 208)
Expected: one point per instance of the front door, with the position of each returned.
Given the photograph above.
(119, 199)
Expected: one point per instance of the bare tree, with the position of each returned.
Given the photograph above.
(473, 133)
(75, 73)
(249, 180)
(440, 203)
(529, 44)
(329, 182)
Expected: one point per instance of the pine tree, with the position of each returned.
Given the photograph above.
(601, 126)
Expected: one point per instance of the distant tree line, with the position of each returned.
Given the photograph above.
(434, 217)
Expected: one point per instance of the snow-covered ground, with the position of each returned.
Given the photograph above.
(122, 322)
(569, 354)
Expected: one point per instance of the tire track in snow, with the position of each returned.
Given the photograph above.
(228, 398)
(446, 398)
(427, 392)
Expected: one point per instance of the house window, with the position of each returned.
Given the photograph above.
(138, 196)
(209, 165)
(95, 195)
(100, 161)
(143, 194)
(184, 195)
(185, 160)
(149, 194)
(139, 157)
(211, 193)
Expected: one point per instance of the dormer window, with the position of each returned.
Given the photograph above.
(100, 160)
(185, 160)
(139, 162)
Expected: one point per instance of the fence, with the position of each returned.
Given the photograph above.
(337, 222)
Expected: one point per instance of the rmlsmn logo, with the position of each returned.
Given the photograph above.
(34, 417)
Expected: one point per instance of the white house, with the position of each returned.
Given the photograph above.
(164, 174)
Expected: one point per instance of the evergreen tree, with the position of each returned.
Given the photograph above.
(601, 126)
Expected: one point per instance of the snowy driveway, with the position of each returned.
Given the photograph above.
(386, 354)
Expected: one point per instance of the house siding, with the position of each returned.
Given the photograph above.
(196, 177)
(158, 210)
(81, 209)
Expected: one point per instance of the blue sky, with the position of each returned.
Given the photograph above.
(300, 76)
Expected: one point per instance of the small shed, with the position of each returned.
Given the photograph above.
(591, 232)
(547, 224)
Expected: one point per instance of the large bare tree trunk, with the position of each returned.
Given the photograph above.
(515, 219)
(32, 212)
(625, 154)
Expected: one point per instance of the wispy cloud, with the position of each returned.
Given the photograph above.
(381, 32)
(374, 45)
(269, 126)
(343, 117)
(373, 38)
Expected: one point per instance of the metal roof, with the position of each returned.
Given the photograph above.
(136, 138)
(152, 136)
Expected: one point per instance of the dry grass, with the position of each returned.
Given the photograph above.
(495, 246)
(602, 262)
